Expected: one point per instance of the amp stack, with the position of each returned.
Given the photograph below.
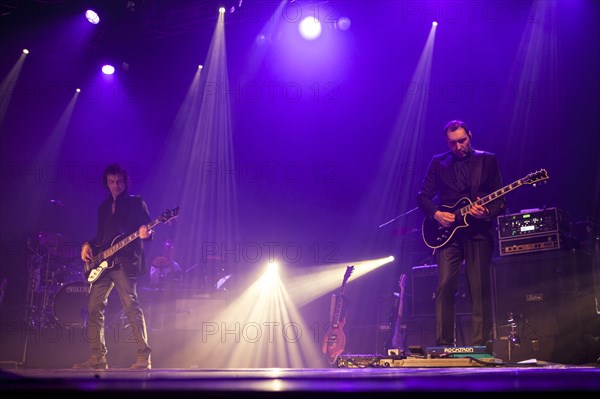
(545, 305)
(533, 230)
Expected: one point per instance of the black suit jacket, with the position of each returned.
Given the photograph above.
(440, 188)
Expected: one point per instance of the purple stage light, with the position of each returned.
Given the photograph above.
(310, 28)
(108, 69)
(92, 17)
(261, 39)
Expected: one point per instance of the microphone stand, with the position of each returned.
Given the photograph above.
(398, 338)
(398, 217)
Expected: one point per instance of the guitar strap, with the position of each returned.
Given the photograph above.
(476, 168)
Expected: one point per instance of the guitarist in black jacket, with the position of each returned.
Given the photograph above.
(463, 172)
(119, 215)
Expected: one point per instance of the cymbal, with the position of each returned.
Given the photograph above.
(49, 239)
(57, 245)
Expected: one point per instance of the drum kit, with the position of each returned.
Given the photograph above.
(56, 292)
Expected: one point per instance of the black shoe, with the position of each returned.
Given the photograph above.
(94, 362)
(142, 362)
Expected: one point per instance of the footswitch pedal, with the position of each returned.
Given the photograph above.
(456, 351)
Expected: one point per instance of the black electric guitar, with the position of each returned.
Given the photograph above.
(436, 236)
(93, 269)
(335, 339)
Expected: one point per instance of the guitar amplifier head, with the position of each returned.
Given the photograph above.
(532, 222)
(533, 243)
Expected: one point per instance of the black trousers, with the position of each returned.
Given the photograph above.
(125, 284)
(477, 255)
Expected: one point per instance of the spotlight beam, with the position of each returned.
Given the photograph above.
(325, 279)
(200, 155)
(9, 83)
(262, 328)
(387, 197)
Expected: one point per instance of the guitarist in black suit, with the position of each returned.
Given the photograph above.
(463, 172)
(119, 215)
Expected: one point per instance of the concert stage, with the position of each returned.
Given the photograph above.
(334, 382)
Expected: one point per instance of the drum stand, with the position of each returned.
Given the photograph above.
(31, 310)
(510, 332)
(39, 295)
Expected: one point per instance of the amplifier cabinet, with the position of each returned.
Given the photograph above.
(424, 285)
(549, 298)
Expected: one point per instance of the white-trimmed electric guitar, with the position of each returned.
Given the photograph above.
(94, 269)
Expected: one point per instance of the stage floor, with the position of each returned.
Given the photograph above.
(338, 382)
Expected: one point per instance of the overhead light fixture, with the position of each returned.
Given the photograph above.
(92, 17)
(108, 69)
(310, 28)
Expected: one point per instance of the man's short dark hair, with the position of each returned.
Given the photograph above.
(454, 125)
(115, 169)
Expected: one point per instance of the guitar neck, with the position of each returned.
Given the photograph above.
(490, 197)
(338, 300)
(401, 295)
(107, 253)
(338, 307)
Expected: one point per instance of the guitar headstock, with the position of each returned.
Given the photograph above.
(402, 282)
(536, 177)
(349, 271)
(169, 214)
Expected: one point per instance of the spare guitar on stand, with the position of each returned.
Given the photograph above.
(335, 339)
(399, 329)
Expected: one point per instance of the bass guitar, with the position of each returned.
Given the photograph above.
(93, 269)
(436, 236)
(335, 339)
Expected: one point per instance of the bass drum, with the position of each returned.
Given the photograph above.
(70, 305)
